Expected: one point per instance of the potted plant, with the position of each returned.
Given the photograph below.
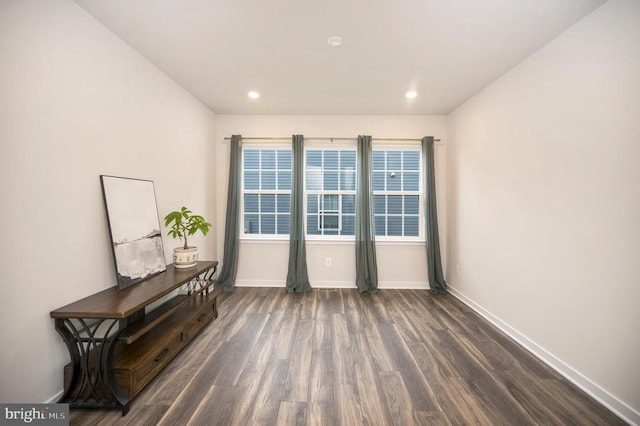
(183, 224)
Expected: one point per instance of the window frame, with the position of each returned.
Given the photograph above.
(263, 147)
(420, 238)
(333, 146)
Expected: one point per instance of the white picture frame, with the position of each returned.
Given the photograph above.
(134, 228)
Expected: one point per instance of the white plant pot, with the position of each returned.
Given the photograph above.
(185, 258)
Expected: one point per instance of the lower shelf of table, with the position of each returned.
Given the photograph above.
(133, 366)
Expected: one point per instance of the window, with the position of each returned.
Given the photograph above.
(266, 185)
(396, 193)
(330, 191)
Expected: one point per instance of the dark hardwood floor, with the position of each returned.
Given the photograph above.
(335, 357)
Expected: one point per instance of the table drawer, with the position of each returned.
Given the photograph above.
(202, 318)
(158, 357)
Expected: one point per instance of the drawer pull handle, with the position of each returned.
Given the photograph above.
(162, 355)
(202, 317)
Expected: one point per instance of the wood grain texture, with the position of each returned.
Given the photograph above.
(114, 303)
(336, 357)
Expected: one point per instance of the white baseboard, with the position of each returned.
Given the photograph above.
(333, 284)
(620, 408)
(260, 283)
(54, 398)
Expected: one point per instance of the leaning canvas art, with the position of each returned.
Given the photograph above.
(134, 227)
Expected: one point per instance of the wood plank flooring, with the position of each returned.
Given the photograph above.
(336, 357)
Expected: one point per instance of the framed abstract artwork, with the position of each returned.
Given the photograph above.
(134, 228)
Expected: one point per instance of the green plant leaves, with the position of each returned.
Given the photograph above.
(182, 224)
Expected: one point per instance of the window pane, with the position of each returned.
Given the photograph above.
(348, 160)
(349, 204)
(394, 204)
(284, 180)
(251, 203)
(393, 160)
(394, 181)
(379, 202)
(378, 160)
(394, 226)
(314, 159)
(284, 159)
(314, 179)
(329, 221)
(268, 180)
(411, 226)
(411, 204)
(348, 225)
(268, 159)
(268, 224)
(378, 181)
(283, 224)
(380, 225)
(251, 180)
(312, 225)
(411, 160)
(410, 181)
(267, 203)
(331, 160)
(330, 202)
(330, 181)
(283, 203)
(251, 159)
(347, 181)
(312, 204)
(251, 224)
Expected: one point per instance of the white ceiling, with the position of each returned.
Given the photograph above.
(446, 50)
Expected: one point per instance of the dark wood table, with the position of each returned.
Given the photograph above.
(116, 347)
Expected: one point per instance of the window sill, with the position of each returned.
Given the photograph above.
(326, 241)
(263, 240)
(399, 242)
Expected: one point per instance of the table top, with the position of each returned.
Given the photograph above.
(114, 303)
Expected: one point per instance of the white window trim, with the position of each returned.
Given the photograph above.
(331, 239)
(421, 225)
(326, 147)
(261, 237)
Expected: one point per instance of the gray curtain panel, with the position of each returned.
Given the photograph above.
(432, 240)
(227, 279)
(366, 265)
(297, 277)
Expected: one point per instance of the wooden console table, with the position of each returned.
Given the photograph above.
(117, 347)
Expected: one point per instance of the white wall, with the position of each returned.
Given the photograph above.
(77, 102)
(265, 263)
(544, 203)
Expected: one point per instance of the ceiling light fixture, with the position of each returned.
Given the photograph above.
(334, 41)
(254, 95)
(410, 95)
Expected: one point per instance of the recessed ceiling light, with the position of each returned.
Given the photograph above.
(334, 41)
(411, 95)
(254, 95)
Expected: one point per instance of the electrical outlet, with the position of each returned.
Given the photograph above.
(327, 261)
(457, 270)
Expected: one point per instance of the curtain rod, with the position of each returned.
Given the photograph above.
(286, 138)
